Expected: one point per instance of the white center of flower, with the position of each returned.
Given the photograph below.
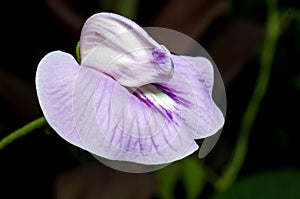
(158, 98)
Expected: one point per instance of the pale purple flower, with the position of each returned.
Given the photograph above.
(130, 99)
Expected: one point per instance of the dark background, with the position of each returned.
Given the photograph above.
(30, 29)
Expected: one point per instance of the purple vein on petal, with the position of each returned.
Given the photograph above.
(129, 141)
(121, 144)
(139, 139)
(129, 130)
(98, 105)
(156, 145)
(141, 96)
(113, 135)
(85, 105)
(172, 94)
(108, 124)
(166, 139)
(157, 104)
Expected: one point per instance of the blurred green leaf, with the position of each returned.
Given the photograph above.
(127, 8)
(80, 154)
(270, 184)
(193, 177)
(167, 178)
(192, 173)
(296, 82)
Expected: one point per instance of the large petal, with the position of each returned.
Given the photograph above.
(117, 124)
(117, 46)
(55, 81)
(105, 118)
(153, 124)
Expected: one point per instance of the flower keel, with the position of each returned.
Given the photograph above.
(120, 48)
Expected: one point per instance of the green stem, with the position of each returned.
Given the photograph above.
(241, 147)
(78, 56)
(22, 131)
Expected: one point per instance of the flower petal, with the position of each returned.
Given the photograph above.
(117, 46)
(55, 80)
(153, 124)
(195, 76)
(119, 130)
(102, 26)
(114, 123)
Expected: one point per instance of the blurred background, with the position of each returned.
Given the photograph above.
(256, 47)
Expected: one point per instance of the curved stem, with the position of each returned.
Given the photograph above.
(241, 147)
(22, 131)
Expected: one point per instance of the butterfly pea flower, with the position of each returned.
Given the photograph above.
(130, 99)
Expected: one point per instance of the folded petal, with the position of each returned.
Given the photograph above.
(55, 81)
(117, 46)
(195, 76)
(153, 124)
(117, 124)
(102, 26)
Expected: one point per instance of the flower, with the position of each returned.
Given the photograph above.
(130, 99)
